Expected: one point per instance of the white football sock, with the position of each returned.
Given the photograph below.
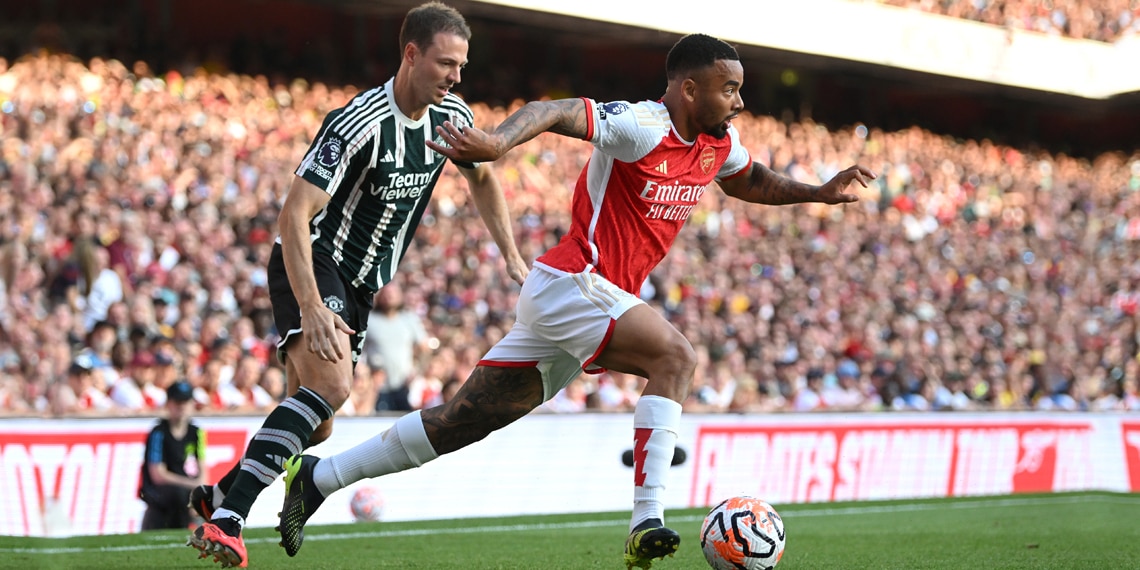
(656, 421)
(400, 447)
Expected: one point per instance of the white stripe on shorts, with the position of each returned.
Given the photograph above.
(589, 289)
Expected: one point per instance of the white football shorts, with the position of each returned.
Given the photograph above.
(563, 322)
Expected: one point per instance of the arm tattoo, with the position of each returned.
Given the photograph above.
(767, 187)
(564, 117)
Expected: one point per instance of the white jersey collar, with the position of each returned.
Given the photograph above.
(390, 88)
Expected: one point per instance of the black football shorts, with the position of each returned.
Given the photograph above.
(350, 303)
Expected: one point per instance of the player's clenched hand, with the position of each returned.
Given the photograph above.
(465, 144)
(834, 191)
(320, 326)
(517, 270)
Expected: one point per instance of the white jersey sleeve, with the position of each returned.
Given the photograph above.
(627, 131)
(738, 157)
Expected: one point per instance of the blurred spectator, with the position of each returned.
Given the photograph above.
(167, 368)
(450, 388)
(422, 389)
(273, 382)
(919, 399)
(1129, 395)
(718, 391)
(247, 342)
(135, 391)
(396, 335)
(951, 395)
(79, 393)
(846, 394)
(362, 399)
(809, 396)
(570, 399)
(100, 350)
(616, 392)
(99, 285)
(746, 398)
(246, 393)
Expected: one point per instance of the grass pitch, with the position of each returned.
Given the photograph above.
(1071, 531)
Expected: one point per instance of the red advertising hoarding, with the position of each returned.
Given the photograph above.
(861, 461)
(86, 482)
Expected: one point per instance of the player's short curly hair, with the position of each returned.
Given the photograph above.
(696, 51)
(426, 20)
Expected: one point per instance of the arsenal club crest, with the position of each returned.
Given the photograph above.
(708, 157)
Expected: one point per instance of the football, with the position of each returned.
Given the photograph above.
(367, 504)
(743, 532)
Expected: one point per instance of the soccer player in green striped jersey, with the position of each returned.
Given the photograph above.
(358, 195)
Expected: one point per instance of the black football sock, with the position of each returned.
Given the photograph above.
(284, 434)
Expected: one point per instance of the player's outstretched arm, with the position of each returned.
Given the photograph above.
(565, 117)
(492, 205)
(760, 185)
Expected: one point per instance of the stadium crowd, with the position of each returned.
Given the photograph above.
(137, 212)
(1099, 20)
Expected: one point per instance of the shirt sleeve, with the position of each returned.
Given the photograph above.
(626, 131)
(154, 447)
(739, 160)
(416, 327)
(333, 154)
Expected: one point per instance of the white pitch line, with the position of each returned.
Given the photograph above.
(788, 511)
(973, 503)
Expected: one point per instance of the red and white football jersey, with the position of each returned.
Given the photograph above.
(637, 191)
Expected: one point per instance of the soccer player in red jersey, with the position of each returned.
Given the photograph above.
(579, 309)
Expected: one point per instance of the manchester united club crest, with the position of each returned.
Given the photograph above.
(708, 157)
(334, 303)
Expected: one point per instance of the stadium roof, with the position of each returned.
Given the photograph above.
(823, 34)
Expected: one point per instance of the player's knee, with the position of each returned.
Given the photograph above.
(336, 396)
(334, 391)
(332, 382)
(676, 366)
(682, 358)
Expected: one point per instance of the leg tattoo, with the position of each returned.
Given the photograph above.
(492, 398)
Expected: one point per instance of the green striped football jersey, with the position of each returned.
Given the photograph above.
(373, 162)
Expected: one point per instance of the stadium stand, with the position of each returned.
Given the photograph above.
(138, 196)
(1099, 20)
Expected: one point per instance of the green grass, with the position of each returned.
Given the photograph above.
(1071, 531)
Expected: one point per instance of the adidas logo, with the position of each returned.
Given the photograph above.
(275, 460)
(663, 168)
(388, 156)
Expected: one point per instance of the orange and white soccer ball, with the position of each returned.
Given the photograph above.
(367, 504)
(743, 532)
